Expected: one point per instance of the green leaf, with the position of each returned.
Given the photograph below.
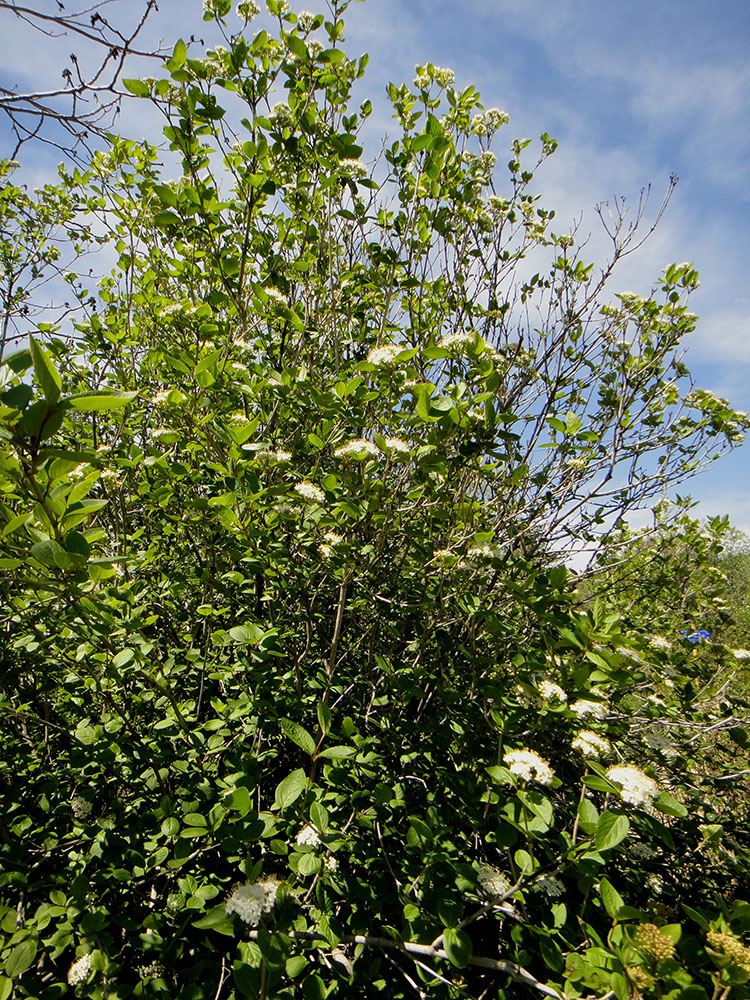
(613, 901)
(100, 401)
(297, 734)
(290, 789)
(324, 717)
(216, 920)
(309, 864)
(47, 375)
(337, 753)
(179, 55)
(610, 830)
(457, 946)
(137, 87)
(246, 635)
(297, 47)
(20, 958)
(51, 553)
(6, 987)
(551, 954)
(666, 804)
(588, 816)
(319, 816)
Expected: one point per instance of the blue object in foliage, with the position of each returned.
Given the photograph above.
(699, 635)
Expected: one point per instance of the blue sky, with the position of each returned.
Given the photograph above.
(633, 93)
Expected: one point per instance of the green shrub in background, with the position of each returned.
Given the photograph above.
(299, 699)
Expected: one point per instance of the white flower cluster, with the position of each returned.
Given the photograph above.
(488, 122)
(330, 863)
(252, 900)
(659, 642)
(550, 884)
(305, 20)
(551, 691)
(635, 787)
(281, 115)
(359, 448)
(275, 295)
(443, 76)
(583, 708)
(308, 836)
(81, 807)
(79, 970)
(247, 9)
(353, 168)
(459, 341)
(397, 445)
(741, 654)
(310, 492)
(591, 744)
(529, 766)
(484, 551)
(386, 354)
(491, 881)
(265, 456)
(331, 539)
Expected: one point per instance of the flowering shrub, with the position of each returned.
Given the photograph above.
(294, 674)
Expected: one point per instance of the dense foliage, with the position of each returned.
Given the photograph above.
(300, 699)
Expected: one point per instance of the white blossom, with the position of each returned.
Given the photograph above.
(250, 901)
(267, 455)
(330, 863)
(281, 115)
(550, 884)
(79, 970)
(310, 492)
(659, 642)
(458, 341)
(397, 445)
(494, 118)
(741, 654)
(529, 766)
(247, 10)
(386, 354)
(591, 744)
(595, 709)
(275, 295)
(81, 807)
(635, 787)
(353, 168)
(491, 881)
(359, 448)
(551, 691)
(305, 20)
(308, 836)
